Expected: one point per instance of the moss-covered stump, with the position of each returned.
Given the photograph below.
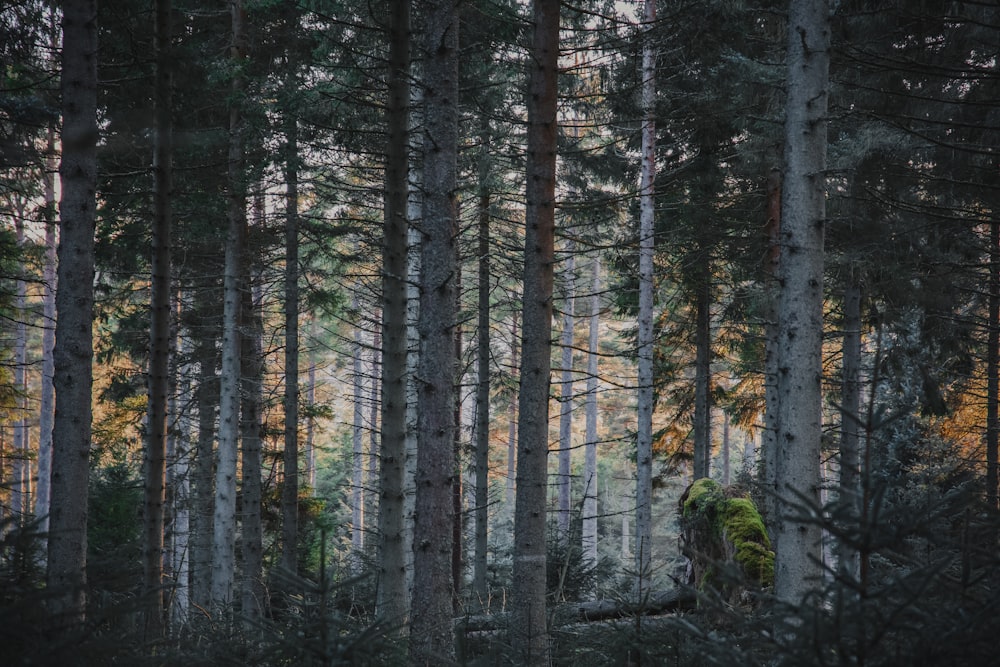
(723, 536)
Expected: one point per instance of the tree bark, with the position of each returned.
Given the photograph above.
(73, 351)
(224, 520)
(703, 369)
(644, 427)
(431, 635)
(20, 488)
(483, 353)
(253, 591)
(800, 304)
(993, 370)
(357, 447)
(589, 528)
(392, 558)
(290, 454)
(529, 634)
(159, 331)
(563, 478)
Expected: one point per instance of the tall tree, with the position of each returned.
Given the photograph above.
(159, 329)
(47, 394)
(644, 427)
(529, 634)
(431, 635)
(73, 351)
(563, 478)
(290, 454)
(224, 517)
(483, 355)
(800, 301)
(589, 527)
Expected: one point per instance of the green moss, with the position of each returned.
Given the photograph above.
(736, 527)
(743, 526)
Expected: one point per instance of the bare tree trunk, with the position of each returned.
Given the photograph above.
(644, 427)
(483, 353)
(769, 434)
(726, 463)
(458, 516)
(290, 454)
(159, 332)
(529, 633)
(993, 369)
(47, 397)
(563, 479)
(392, 558)
(20, 484)
(703, 370)
(800, 305)
(431, 632)
(589, 528)
(515, 368)
(203, 473)
(73, 351)
(310, 441)
(251, 427)
(179, 481)
(224, 521)
(357, 447)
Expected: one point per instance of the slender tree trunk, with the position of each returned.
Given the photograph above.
(800, 305)
(431, 634)
(589, 528)
(310, 441)
(993, 369)
(374, 392)
(563, 479)
(703, 371)
(73, 351)
(179, 481)
(392, 558)
(159, 331)
(483, 353)
(644, 428)
(47, 395)
(769, 435)
(529, 634)
(726, 451)
(515, 369)
(251, 427)
(458, 516)
(203, 473)
(224, 522)
(20, 484)
(290, 455)
(850, 421)
(357, 448)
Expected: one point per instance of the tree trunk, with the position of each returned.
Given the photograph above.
(159, 331)
(20, 484)
(769, 434)
(203, 474)
(515, 369)
(458, 516)
(703, 370)
(850, 421)
(431, 634)
(251, 427)
(357, 448)
(529, 634)
(993, 369)
(483, 353)
(290, 454)
(644, 427)
(392, 558)
(800, 304)
(224, 521)
(564, 479)
(589, 528)
(73, 352)
(47, 395)
(179, 479)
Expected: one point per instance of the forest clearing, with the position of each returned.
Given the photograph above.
(499, 332)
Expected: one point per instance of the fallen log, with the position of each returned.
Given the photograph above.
(659, 602)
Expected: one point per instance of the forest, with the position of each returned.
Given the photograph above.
(499, 332)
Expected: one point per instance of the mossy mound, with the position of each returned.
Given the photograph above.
(722, 530)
